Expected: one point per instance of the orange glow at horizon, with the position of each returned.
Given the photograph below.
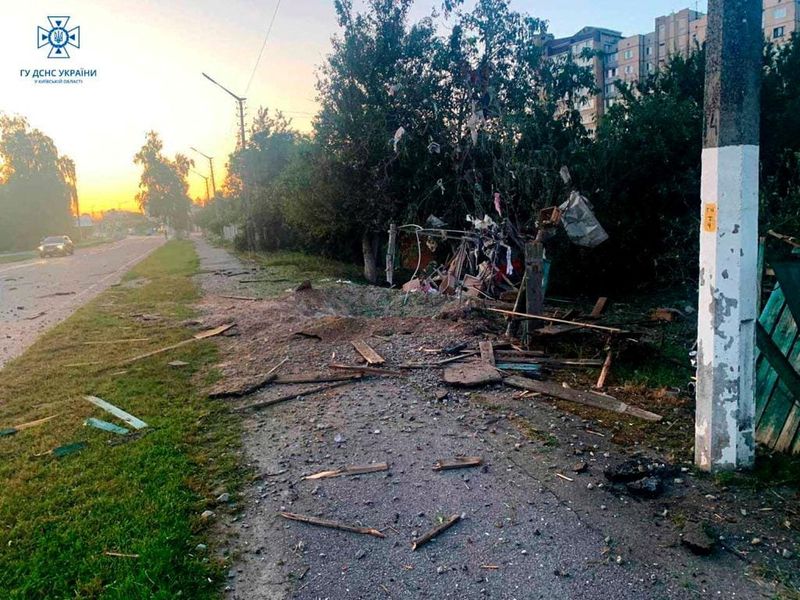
(149, 57)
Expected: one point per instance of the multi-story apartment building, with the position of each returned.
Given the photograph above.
(629, 59)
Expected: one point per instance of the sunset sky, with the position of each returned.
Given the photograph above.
(149, 55)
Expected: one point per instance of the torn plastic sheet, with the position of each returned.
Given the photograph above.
(398, 135)
(481, 224)
(579, 221)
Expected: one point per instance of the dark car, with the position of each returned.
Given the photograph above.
(56, 245)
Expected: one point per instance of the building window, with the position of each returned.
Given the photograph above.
(612, 72)
(628, 69)
(628, 54)
(780, 13)
(777, 33)
(649, 50)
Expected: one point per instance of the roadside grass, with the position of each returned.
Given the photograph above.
(141, 495)
(16, 257)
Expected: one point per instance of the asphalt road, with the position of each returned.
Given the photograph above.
(37, 294)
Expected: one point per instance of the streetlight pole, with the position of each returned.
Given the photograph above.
(210, 166)
(206, 180)
(238, 99)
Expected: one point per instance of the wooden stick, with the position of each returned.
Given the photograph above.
(369, 354)
(198, 336)
(459, 462)
(120, 554)
(332, 524)
(601, 381)
(587, 398)
(355, 470)
(369, 370)
(315, 378)
(420, 541)
(266, 403)
(554, 320)
(30, 424)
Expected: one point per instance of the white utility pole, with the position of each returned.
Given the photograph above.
(727, 313)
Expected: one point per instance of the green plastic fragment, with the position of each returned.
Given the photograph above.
(105, 426)
(68, 449)
(7, 432)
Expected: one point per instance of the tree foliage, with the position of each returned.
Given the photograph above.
(37, 186)
(163, 189)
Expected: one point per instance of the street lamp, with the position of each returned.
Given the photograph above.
(210, 166)
(206, 179)
(238, 99)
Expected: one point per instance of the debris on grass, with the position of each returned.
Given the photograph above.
(117, 412)
(105, 426)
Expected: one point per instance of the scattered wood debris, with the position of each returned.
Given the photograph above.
(332, 524)
(198, 336)
(459, 462)
(251, 388)
(472, 375)
(272, 401)
(367, 370)
(587, 398)
(354, 470)
(315, 378)
(65, 450)
(575, 324)
(178, 363)
(487, 352)
(23, 426)
(119, 554)
(369, 354)
(117, 412)
(36, 316)
(599, 307)
(424, 539)
(250, 298)
(601, 380)
(564, 477)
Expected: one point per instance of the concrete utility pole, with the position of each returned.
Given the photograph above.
(210, 168)
(724, 422)
(238, 99)
(199, 174)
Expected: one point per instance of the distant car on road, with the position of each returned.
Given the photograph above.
(56, 245)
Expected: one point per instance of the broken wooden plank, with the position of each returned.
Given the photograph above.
(601, 380)
(332, 524)
(587, 398)
(459, 462)
(23, 426)
(315, 378)
(236, 297)
(487, 352)
(272, 401)
(424, 539)
(599, 307)
(117, 412)
(197, 336)
(105, 426)
(64, 450)
(119, 554)
(269, 377)
(471, 375)
(367, 370)
(369, 354)
(354, 470)
(554, 320)
(120, 341)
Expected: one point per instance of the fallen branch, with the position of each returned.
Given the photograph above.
(315, 378)
(554, 320)
(587, 398)
(459, 462)
(332, 524)
(236, 297)
(355, 470)
(120, 554)
(420, 541)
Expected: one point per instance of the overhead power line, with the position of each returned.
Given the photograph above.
(264, 45)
